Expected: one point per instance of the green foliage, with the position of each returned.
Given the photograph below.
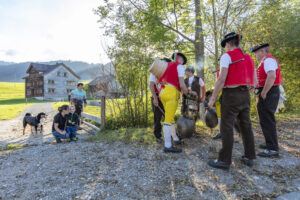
(144, 30)
(277, 22)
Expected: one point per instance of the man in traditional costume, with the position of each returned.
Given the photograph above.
(269, 78)
(237, 73)
(172, 82)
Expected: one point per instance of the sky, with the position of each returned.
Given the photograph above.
(46, 30)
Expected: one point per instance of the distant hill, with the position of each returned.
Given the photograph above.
(14, 72)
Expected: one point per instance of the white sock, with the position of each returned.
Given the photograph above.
(167, 134)
(174, 136)
(219, 122)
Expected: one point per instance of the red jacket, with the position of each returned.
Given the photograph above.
(262, 76)
(170, 76)
(242, 72)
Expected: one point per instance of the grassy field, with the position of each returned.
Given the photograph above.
(12, 100)
(94, 110)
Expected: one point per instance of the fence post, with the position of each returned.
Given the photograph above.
(102, 112)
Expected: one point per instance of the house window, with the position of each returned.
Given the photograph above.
(40, 83)
(72, 83)
(28, 84)
(51, 82)
(65, 74)
(58, 73)
(39, 91)
(28, 92)
(51, 90)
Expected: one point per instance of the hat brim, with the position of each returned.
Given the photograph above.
(259, 47)
(182, 55)
(223, 42)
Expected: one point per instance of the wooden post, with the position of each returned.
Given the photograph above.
(102, 112)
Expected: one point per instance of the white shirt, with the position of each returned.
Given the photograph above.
(191, 79)
(152, 78)
(225, 60)
(180, 69)
(270, 64)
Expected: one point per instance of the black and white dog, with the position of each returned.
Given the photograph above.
(33, 121)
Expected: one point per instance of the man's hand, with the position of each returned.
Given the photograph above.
(211, 102)
(63, 133)
(202, 99)
(263, 95)
(155, 101)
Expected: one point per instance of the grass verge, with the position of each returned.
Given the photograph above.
(11, 147)
(127, 135)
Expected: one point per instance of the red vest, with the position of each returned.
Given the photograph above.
(170, 76)
(242, 72)
(262, 76)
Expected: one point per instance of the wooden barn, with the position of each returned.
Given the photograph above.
(105, 86)
(49, 81)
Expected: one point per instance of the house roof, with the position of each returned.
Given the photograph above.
(45, 69)
(108, 81)
(102, 79)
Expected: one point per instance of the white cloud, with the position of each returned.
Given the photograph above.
(42, 30)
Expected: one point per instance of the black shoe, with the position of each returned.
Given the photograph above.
(159, 140)
(179, 142)
(196, 133)
(218, 164)
(58, 140)
(218, 136)
(79, 128)
(172, 150)
(247, 161)
(268, 153)
(262, 146)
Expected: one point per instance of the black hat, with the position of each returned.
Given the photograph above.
(229, 37)
(253, 49)
(166, 59)
(182, 55)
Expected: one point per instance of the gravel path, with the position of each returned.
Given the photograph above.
(86, 170)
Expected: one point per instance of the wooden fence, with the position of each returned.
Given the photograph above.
(99, 120)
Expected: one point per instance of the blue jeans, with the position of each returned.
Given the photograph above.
(58, 135)
(71, 130)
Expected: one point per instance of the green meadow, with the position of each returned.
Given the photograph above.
(12, 100)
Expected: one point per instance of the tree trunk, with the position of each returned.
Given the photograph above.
(215, 35)
(199, 47)
(146, 87)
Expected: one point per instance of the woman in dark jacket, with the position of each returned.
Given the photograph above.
(59, 124)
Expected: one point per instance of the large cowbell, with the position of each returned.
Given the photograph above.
(185, 127)
(211, 119)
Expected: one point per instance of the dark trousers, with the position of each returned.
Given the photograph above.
(236, 104)
(71, 130)
(266, 109)
(78, 110)
(157, 117)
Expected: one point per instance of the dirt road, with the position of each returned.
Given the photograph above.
(87, 170)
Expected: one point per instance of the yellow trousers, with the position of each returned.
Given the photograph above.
(169, 97)
(218, 105)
